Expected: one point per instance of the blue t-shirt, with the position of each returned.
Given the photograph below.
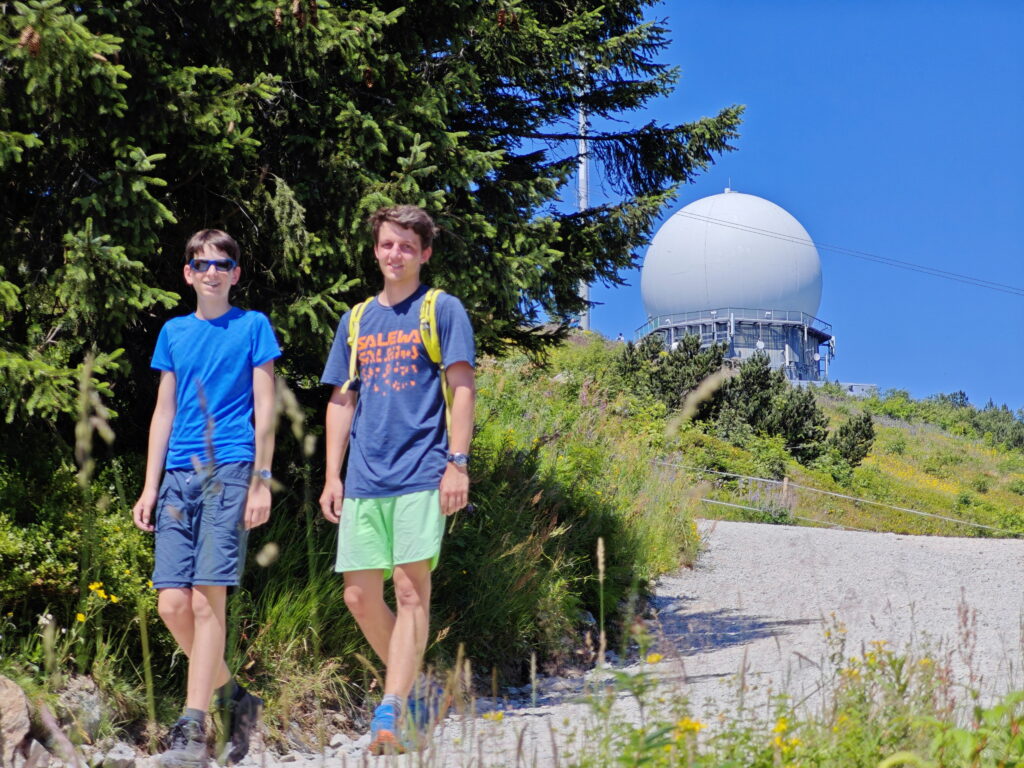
(398, 443)
(212, 360)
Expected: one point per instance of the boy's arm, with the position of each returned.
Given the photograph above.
(257, 505)
(455, 481)
(341, 409)
(159, 437)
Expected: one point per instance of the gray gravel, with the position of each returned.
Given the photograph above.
(760, 601)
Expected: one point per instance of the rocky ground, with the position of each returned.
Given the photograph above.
(761, 613)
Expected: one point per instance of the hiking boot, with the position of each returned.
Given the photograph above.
(186, 746)
(244, 715)
(385, 737)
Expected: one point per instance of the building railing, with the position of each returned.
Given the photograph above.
(722, 315)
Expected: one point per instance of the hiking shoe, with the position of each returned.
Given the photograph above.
(385, 737)
(244, 714)
(186, 746)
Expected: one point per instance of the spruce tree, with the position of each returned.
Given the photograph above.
(125, 126)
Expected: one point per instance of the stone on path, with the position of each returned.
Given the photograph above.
(120, 756)
(14, 722)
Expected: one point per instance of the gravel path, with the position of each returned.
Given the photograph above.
(761, 599)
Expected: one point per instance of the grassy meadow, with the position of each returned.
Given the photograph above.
(566, 454)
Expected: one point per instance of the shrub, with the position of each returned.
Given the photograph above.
(853, 440)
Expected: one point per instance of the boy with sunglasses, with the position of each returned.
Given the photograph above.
(211, 441)
(405, 472)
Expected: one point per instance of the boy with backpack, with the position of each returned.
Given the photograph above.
(211, 442)
(397, 360)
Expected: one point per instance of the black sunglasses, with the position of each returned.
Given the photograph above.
(203, 265)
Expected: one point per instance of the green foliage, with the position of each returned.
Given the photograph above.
(125, 127)
(563, 456)
(997, 425)
(668, 375)
(764, 400)
(757, 401)
(853, 439)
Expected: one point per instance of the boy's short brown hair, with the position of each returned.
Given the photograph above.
(408, 216)
(218, 238)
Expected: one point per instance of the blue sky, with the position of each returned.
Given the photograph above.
(894, 128)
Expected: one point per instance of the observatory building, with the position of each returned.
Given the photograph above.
(738, 269)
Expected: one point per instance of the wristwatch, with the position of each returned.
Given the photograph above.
(458, 459)
(264, 475)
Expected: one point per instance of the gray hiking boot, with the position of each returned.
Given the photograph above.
(187, 746)
(245, 716)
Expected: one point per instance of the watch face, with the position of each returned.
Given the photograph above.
(264, 474)
(458, 459)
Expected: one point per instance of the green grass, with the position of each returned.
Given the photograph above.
(565, 455)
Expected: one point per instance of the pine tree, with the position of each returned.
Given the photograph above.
(125, 126)
(854, 438)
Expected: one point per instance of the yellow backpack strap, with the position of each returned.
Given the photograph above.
(431, 339)
(353, 342)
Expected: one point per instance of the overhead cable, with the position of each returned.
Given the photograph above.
(978, 282)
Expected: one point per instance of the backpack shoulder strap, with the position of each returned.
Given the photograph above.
(428, 325)
(431, 338)
(353, 340)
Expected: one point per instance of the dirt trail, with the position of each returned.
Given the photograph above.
(761, 599)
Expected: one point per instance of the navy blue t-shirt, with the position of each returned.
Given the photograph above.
(213, 360)
(398, 443)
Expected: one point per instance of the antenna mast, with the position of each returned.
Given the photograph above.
(582, 203)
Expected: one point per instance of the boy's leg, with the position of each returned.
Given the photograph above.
(412, 624)
(206, 668)
(404, 654)
(364, 596)
(175, 607)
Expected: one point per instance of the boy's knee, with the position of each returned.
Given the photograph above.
(359, 602)
(408, 597)
(174, 605)
(206, 607)
(411, 593)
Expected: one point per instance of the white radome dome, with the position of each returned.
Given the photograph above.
(698, 261)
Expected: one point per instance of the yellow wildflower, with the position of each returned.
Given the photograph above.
(654, 658)
(781, 726)
(95, 585)
(688, 725)
(101, 594)
(115, 599)
(80, 617)
(497, 716)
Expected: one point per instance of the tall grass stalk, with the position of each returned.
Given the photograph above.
(603, 642)
(147, 673)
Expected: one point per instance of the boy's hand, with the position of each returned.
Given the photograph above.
(142, 512)
(454, 489)
(257, 505)
(332, 498)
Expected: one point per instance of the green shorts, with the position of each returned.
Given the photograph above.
(382, 533)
